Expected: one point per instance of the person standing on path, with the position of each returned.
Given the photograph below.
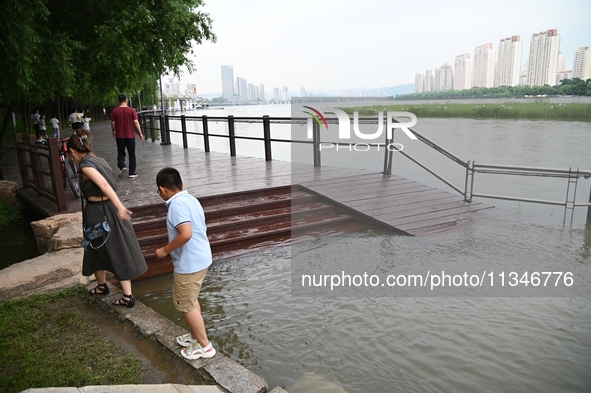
(55, 123)
(36, 119)
(74, 117)
(123, 120)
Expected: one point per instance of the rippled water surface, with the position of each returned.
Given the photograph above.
(518, 340)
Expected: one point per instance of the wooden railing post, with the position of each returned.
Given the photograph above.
(56, 175)
(205, 133)
(36, 165)
(152, 128)
(184, 131)
(267, 136)
(316, 144)
(232, 136)
(22, 161)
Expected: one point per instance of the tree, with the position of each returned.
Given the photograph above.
(88, 51)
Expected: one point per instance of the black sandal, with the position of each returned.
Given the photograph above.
(126, 300)
(100, 289)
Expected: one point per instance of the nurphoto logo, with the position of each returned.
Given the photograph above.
(344, 127)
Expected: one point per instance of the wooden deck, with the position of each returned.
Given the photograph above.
(399, 203)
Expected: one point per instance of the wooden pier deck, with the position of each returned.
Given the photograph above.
(396, 202)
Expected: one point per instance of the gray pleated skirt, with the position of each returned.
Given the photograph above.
(121, 253)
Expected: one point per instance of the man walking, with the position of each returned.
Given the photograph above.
(123, 120)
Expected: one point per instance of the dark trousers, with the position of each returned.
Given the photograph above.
(129, 144)
(37, 131)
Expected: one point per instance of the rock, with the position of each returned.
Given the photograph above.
(45, 230)
(8, 193)
(46, 273)
(67, 236)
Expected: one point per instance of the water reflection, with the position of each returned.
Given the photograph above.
(425, 344)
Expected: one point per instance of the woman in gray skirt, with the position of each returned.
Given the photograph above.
(120, 252)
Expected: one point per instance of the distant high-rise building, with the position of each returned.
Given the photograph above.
(463, 72)
(276, 94)
(444, 78)
(561, 63)
(284, 93)
(508, 69)
(252, 93)
(484, 66)
(562, 75)
(523, 74)
(261, 92)
(227, 82)
(303, 92)
(543, 58)
(419, 83)
(429, 85)
(241, 90)
(582, 63)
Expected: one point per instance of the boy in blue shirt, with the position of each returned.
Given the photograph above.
(191, 256)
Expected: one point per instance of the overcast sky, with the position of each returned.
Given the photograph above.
(334, 45)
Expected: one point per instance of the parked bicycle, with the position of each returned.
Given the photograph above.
(68, 167)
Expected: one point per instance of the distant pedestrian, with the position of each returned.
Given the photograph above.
(86, 120)
(74, 117)
(123, 120)
(36, 119)
(55, 124)
(191, 256)
(43, 128)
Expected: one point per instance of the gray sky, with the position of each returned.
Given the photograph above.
(334, 45)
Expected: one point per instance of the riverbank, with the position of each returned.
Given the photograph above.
(535, 110)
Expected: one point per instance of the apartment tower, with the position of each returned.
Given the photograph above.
(227, 82)
(484, 66)
(582, 63)
(543, 58)
(508, 67)
(463, 72)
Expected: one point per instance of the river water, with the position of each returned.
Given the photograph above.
(521, 339)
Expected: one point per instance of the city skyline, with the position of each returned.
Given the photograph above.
(347, 46)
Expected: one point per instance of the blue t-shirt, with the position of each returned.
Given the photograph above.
(195, 255)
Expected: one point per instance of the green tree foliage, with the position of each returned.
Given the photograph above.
(88, 51)
(574, 86)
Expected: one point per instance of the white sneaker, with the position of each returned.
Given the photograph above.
(185, 340)
(132, 176)
(195, 351)
(122, 172)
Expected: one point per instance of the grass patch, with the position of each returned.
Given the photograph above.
(45, 343)
(511, 110)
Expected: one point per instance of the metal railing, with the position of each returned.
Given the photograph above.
(148, 122)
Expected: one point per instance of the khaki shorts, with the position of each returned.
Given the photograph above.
(186, 288)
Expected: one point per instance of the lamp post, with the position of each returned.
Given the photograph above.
(139, 100)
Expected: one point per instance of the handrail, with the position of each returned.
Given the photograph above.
(35, 179)
(471, 167)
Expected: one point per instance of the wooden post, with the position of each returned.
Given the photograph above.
(36, 165)
(589, 208)
(232, 136)
(184, 131)
(205, 133)
(267, 136)
(316, 144)
(56, 175)
(22, 161)
(167, 128)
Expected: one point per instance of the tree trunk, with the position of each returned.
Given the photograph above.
(5, 123)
